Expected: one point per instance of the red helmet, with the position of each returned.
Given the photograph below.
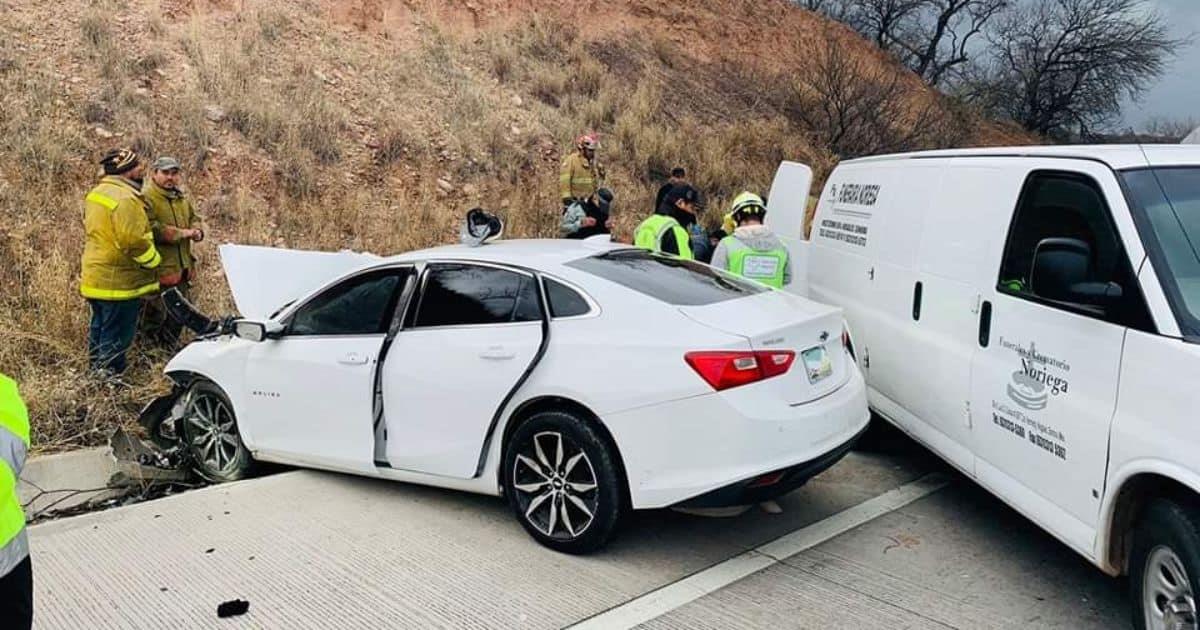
(588, 141)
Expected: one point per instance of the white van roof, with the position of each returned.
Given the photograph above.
(1116, 156)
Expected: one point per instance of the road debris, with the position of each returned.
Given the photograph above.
(233, 608)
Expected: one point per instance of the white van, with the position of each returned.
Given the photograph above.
(1033, 316)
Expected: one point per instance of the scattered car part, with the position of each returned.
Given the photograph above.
(233, 608)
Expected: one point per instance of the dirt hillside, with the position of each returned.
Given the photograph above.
(373, 125)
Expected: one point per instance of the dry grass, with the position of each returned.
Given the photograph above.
(332, 140)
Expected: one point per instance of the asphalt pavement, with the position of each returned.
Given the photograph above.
(888, 538)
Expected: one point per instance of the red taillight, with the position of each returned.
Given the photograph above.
(726, 369)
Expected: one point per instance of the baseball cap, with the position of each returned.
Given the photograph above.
(166, 163)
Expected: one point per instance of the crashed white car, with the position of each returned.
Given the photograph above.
(578, 379)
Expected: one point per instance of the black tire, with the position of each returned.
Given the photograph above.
(1166, 551)
(216, 450)
(563, 499)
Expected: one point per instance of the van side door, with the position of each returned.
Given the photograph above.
(1052, 325)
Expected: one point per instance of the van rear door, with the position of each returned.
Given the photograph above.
(787, 207)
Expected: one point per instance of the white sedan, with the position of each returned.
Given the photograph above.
(578, 379)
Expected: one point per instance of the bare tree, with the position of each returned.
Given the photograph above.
(934, 38)
(1170, 130)
(941, 41)
(1063, 67)
(856, 108)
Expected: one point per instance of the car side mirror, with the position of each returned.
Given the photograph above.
(256, 331)
(1058, 265)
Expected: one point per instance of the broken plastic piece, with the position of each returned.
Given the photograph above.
(233, 608)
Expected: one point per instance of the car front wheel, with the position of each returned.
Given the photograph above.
(211, 436)
(1165, 566)
(562, 482)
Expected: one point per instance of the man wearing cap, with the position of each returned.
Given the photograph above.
(120, 260)
(175, 225)
(666, 230)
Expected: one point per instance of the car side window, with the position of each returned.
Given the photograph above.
(565, 301)
(356, 306)
(470, 295)
(1063, 250)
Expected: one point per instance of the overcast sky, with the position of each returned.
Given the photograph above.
(1177, 95)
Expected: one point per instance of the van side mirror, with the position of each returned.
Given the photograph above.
(1059, 263)
(1060, 272)
(251, 330)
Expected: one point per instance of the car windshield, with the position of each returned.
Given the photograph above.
(672, 280)
(1168, 203)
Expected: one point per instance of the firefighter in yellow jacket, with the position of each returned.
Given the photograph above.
(16, 574)
(120, 260)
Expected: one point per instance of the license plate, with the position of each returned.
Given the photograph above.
(816, 364)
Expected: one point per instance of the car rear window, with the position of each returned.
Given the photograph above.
(670, 279)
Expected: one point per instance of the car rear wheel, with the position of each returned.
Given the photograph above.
(562, 482)
(1165, 566)
(211, 436)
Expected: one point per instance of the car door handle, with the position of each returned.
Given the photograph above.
(497, 353)
(353, 358)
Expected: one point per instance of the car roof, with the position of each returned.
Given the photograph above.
(533, 253)
(1116, 156)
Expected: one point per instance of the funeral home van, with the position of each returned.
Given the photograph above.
(1033, 315)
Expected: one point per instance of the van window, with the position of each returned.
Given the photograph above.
(1166, 202)
(1063, 251)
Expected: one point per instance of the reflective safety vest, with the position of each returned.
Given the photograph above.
(764, 266)
(14, 444)
(651, 231)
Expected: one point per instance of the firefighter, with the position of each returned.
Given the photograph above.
(120, 260)
(753, 250)
(175, 225)
(578, 184)
(666, 230)
(16, 573)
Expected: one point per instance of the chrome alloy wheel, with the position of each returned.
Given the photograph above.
(211, 433)
(555, 485)
(1168, 601)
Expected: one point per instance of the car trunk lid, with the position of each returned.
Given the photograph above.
(777, 320)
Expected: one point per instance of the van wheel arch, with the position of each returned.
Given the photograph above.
(1131, 502)
(532, 407)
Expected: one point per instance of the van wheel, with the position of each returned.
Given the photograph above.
(1165, 566)
(562, 483)
(211, 436)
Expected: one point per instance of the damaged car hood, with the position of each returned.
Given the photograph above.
(263, 279)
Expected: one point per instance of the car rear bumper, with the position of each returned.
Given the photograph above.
(772, 484)
(709, 451)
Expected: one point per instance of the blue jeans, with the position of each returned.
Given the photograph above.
(111, 333)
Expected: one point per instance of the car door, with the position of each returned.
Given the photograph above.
(1044, 379)
(310, 391)
(474, 332)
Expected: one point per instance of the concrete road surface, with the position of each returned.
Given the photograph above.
(885, 539)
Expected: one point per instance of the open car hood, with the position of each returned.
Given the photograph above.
(262, 279)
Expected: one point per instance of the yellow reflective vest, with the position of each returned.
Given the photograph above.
(119, 256)
(14, 444)
(649, 235)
